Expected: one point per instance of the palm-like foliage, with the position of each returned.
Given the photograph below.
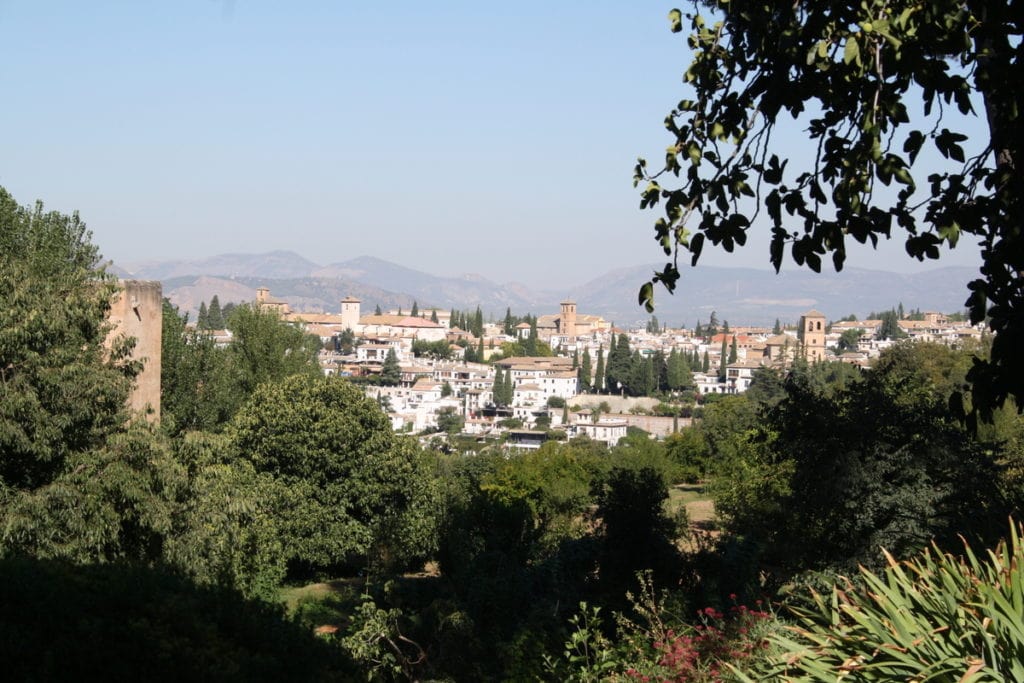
(939, 617)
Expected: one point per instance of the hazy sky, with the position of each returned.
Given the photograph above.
(452, 137)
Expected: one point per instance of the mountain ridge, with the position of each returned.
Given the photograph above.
(743, 295)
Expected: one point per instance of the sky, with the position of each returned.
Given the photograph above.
(450, 137)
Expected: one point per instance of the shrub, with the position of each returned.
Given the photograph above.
(936, 617)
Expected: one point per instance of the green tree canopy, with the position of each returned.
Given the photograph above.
(61, 393)
(886, 93)
(354, 485)
(264, 348)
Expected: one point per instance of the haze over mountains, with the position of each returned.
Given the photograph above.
(740, 295)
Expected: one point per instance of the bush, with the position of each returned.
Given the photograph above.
(938, 616)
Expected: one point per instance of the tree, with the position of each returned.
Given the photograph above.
(508, 389)
(214, 316)
(849, 339)
(678, 374)
(265, 348)
(599, 373)
(203, 319)
(61, 394)
(890, 327)
(390, 371)
(723, 359)
(449, 420)
(851, 75)
(777, 328)
(833, 474)
(346, 341)
(440, 349)
(497, 389)
(376, 310)
(617, 370)
(353, 487)
(415, 312)
(733, 351)
(198, 386)
(586, 373)
(433, 316)
(712, 329)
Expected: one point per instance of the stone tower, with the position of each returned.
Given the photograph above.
(812, 336)
(137, 311)
(567, 323)
(350, 313)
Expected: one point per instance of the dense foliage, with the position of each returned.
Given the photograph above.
(886, 92)
(139, 548)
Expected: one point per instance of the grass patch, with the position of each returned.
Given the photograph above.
(695, 499)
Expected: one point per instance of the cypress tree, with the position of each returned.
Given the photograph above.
(202, 321)
(415, 308)
(585, 374)
(706, 364)
(733, 351)
(390, 372)
(214, 316)
(480, 351)
(722, 360)
(377, 310)
(498, 386)
(599, 373)
(478, 322)
(508, 388)
(510, 323)
(433, 316)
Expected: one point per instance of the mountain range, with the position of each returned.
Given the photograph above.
(740, 295)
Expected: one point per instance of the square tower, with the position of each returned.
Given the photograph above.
(812, 336)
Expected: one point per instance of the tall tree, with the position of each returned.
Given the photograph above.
(203, 319)
(264, 348)
(214, 316)
(599, 372)
(851, 75)
(733, 351)
(352, 483)
(390, 371)
(59, 393)
(585, 373)
(510, 323)
(617, 370)
(415, 309)
(433, 315)
(198, 386)
(508, 388)
(376, 310)
(497, 388)
(723, 358)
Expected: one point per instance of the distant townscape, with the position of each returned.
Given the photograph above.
(572, 373)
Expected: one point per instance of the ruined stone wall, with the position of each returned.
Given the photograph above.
(137, 311)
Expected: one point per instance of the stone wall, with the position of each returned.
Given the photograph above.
(137, 311)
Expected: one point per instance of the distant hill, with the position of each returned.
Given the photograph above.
(274, 264)
(740, 295)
